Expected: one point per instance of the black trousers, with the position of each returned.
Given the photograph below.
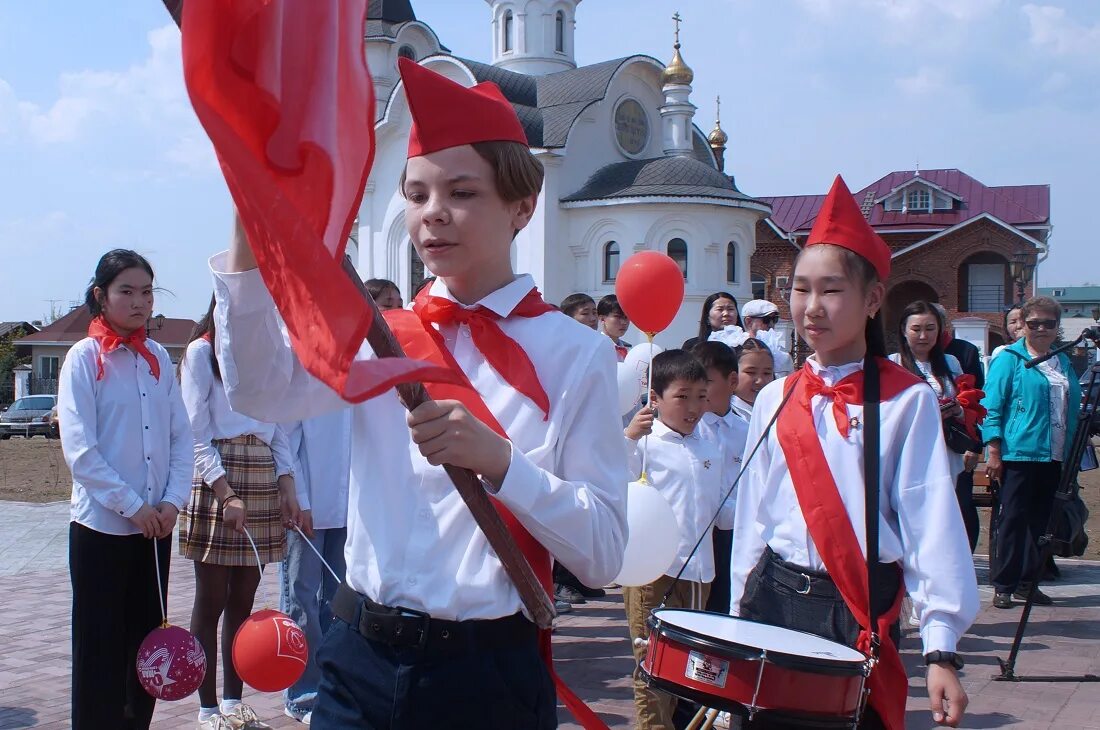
(1027, 497)
(115, 605)
(771, 599)
(370, 685)
(964, 492)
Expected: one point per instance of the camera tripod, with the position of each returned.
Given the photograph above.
(1087, 426)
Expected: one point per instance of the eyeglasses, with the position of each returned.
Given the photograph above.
(1034, 324)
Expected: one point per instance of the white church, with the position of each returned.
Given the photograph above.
(627, 168)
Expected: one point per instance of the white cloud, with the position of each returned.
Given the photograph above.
(907, 10)
(925, 81)
(1052, 30)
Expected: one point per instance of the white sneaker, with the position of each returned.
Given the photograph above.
(302, 717)
(215, 722)
(243, 717)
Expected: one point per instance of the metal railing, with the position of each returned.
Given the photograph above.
(985, 298)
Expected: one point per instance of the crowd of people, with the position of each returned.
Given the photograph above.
(404, 606)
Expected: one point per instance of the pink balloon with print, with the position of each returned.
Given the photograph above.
(171, 663)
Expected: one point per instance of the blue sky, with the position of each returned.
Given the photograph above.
(99, 147)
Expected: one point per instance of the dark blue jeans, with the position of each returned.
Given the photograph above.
(373, 686)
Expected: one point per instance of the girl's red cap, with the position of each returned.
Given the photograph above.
(841, 223)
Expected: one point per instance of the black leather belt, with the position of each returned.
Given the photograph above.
(405, 628)
(815, 583)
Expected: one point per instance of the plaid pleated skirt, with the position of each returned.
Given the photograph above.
(250, 469)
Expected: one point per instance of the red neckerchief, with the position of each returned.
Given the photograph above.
(969, 396)
(828, 523)
(502, 352)
(621, 351)
(421, 341)
(109, 341)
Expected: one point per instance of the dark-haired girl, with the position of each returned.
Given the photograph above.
(385, 293)
(755, 369)
(126, 439)
(614, 323)
(243, 478)
(800, 520)
(719, 312)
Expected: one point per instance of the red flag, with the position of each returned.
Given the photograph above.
(283, 91)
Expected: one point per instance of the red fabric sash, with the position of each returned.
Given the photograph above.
(829, 526)
(970, 397)
(502, 352)
(109, 340)
(421, 341)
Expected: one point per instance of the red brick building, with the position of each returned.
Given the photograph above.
(955, 241)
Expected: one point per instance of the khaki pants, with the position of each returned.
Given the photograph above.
(654, 708)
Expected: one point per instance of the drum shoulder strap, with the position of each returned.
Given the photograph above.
(871, 471)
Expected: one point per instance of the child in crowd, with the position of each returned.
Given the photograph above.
(755, 369)
(244, 479)
(690, 471)
(322, 448)
(582, 308)
(793, 567)
(614, 323)
(126, 439)
(428, 619)
(385, 293)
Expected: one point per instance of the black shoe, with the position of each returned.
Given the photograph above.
(591, 592)
(1038, 599)
(569, 594)
(1002, 600)
(1052, 572)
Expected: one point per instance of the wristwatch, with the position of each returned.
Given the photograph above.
(944, 657)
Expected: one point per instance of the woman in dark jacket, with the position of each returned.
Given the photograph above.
(719, 312)
(1029, 428)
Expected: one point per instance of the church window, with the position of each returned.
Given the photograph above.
(610, 261)
(417, 272)
(559, 32)
(917, 200)
(508, 31)
(678, 252)
(731, 262)
(759, 285)
(407, 51)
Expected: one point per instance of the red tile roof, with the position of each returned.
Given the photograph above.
(1016, 205)
(73, 327)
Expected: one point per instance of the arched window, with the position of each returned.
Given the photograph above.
(678, 252)
(407, 51)
(508, 29)
(559, 32)
(610, 261)
(731, 262)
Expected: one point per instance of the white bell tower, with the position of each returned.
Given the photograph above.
(677, 111)
(534, 36)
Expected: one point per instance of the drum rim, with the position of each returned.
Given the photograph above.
(820, 665)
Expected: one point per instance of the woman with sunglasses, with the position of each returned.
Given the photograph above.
(1029, 428)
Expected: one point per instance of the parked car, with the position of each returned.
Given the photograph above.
(28, 416)
(55, 424)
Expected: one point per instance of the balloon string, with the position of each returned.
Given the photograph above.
(649, 405)
(318, 554)
(259, 565)
(160, 587)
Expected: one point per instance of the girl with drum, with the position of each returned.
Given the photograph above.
(800, 537)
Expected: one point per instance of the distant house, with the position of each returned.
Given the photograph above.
(1080, 307)
(47, 348)
(956, 241)
(15, 330)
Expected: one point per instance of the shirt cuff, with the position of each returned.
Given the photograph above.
(213, 474)
(245, 290)
(179, 504)
(523, 484)
(133, 504)
(938, 637)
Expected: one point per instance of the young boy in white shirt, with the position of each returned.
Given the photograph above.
(428, 619)
(689, 471)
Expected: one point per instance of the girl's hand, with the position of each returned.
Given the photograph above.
(970, 460)
(946, 694)
(305, 522)
(234, 514)
(288, 503)
(168, 514)
(147, 520)
(641, 424)
(447, 433)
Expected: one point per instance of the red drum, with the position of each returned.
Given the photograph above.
(741, 666)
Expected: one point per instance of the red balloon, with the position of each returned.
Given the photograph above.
(170, 663)
(270, 651)
(650, 288)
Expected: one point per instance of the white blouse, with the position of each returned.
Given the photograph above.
(920, 524)
(690, 472)
(213, 418)
(1059, 396)
(323, 448)
(411, 540)
(728, 434)
(125, 438)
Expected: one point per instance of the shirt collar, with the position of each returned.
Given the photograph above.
(712, 419)
(663, 432)
(833, 374)
(501, 302)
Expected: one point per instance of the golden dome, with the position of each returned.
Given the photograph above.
(718, 136)
(677, 72)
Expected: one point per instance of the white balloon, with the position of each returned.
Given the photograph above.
(638, 357)
(630, 389)
(653, 538)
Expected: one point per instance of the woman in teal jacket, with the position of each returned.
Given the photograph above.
(1032, 417)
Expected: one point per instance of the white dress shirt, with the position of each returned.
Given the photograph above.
(323, 448)
(690, 472)
(126, 437)
(742, 408)
(920, 523)
(411, 540)
(213, 418)
(955, 459)
(728, 433)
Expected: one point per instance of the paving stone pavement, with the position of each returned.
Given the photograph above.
(591, 646)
